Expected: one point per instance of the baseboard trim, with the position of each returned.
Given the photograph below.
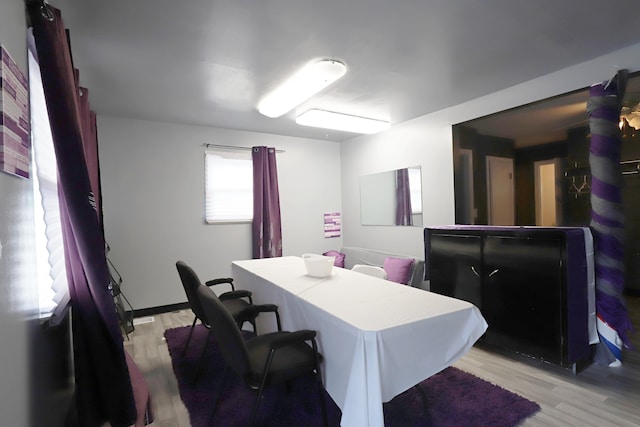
(160, 309)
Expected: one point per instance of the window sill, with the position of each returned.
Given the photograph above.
(230, 221)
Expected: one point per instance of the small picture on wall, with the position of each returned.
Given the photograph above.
(14, 118)
(332, 224)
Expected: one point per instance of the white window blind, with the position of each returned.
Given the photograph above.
(50, 260)
(228, 186)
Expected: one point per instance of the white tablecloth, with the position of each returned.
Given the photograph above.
(378, 338)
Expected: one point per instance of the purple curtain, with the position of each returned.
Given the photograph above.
(403, 198)
(267, 230)
(89, 132)
(103, 387)
(607, 218)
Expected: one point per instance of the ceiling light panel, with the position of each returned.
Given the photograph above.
(308, 81)
(338, 121)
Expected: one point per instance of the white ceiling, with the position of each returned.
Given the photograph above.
(209, 62)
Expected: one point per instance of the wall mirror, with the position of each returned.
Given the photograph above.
(392, 198)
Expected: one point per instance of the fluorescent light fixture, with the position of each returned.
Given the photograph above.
(339, 121)
(308, 81)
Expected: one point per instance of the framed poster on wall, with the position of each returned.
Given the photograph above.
(14, 117)
(332, 224)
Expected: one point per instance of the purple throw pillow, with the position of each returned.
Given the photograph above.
(398, 269)
(339, 261)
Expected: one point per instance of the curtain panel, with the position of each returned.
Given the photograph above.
(607, 217)
(103, 386)
(89, 131)
(267, 229)
(403, 198)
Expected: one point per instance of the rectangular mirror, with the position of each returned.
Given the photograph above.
(392, 198)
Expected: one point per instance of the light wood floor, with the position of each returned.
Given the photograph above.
(599, 396)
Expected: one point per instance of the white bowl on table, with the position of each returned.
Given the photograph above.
(318, 265)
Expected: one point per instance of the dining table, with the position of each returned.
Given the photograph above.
(378, 338)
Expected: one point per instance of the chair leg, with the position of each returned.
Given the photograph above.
(263, 383)
(323, 402)
(223, 380)
(193, 325)
(256, 404)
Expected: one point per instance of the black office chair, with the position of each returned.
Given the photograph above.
(239, 308)
(265, 359)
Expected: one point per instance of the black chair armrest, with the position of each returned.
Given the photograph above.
(251, 312)
(240, 293)
(293, 337)
(261, 308)
(221, 281)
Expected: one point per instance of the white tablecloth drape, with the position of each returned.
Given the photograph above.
(378, 338)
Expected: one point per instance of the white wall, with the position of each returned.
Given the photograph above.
(427, 141)
(378, 198)
(424, 142)
(17, 291)
(152, 177)
(153, 201)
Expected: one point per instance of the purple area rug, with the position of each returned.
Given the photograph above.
(451, 398)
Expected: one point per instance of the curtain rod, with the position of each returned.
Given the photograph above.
(232, 147)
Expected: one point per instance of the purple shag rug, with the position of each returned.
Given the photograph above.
(453, 397)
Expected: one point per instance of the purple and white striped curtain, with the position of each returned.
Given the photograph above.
(607, 218)
(267, 229)
(403, 198)
(103, 387)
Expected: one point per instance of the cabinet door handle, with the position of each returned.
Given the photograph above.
(494, 272)
(475, 271)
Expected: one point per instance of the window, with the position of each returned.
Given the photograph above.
(228, 186)
(53, 289)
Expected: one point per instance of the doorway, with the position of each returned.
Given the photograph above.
(547, 203)
(500, 191)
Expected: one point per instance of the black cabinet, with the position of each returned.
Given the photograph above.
(530, 284)
(456, 265)
(522, 294)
